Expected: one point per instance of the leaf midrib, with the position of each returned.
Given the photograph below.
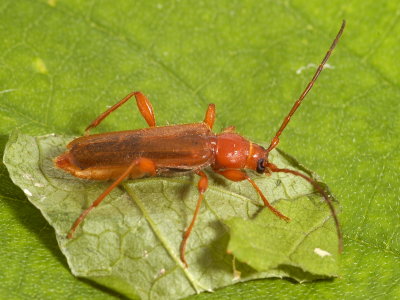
(197, 286)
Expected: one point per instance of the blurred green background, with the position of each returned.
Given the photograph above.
(64, 62)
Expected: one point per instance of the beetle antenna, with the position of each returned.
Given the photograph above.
(275, 140)
(328, 201)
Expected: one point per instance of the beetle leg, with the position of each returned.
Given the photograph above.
(266, 203)
(145, 108)
(237, 175)
(232, 174)
(144, 105)
(229, 129)
(202, 187)
(274, 168)
(144, 165)
(210, 115)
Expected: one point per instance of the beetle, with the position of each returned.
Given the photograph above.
(176, 150)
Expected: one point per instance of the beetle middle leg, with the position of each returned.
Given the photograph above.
(210, 115)
(143, 165)
(237, 175)
(144, 105)
(202, 187)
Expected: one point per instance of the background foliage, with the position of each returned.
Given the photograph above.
(63, 62)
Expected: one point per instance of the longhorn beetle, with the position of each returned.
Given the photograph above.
(178, 149)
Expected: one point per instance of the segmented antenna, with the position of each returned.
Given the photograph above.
(275, 140)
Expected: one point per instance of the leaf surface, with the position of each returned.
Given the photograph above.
(131, 241)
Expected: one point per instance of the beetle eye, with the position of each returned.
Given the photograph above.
(260, 166)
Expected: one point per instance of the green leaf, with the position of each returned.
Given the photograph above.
(131, 241)
(264, 243)
(63, 62)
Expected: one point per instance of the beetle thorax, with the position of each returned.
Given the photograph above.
(235, 152)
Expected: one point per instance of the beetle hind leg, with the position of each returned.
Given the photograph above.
(142, 165)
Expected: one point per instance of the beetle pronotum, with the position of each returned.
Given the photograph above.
(177, 149)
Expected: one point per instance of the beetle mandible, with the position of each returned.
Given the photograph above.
(178, 149)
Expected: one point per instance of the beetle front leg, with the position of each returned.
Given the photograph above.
(237, 175)
(315, 184)
(202, 187)
(144, 105)
(141, 165)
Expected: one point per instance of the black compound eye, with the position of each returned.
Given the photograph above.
(260, 166)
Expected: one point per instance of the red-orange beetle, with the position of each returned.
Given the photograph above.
(177, 149)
